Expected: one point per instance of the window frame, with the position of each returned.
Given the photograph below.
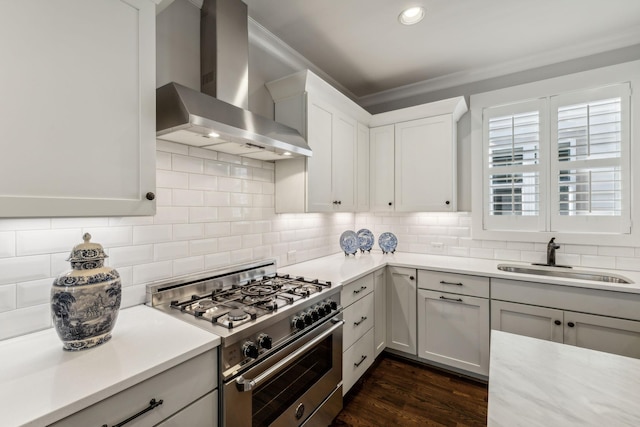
(546, 89)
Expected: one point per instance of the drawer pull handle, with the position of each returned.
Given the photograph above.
(152, 405)
(451, 299)
(442, 282)
(362, 319)
(360, 362)
(357, 291)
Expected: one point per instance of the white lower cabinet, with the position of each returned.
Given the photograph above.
(453, 320)
(189, 398)
(401, 309)
(357, 334)
(608, 334)
(380, 310)
(571, 315)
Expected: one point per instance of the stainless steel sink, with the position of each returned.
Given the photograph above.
(563, 272)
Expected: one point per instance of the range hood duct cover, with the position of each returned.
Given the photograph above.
(221, 106)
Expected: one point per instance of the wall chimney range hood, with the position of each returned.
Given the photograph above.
(217, 117)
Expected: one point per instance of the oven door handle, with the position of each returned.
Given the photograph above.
(244, 384)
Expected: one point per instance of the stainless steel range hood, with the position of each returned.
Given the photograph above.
(217, 117)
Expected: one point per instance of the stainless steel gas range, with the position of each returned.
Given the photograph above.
(280, 361)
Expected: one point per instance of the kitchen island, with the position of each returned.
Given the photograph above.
(541, 383)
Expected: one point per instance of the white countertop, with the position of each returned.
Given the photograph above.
(40, 383)
(541, 383)
(341, 269)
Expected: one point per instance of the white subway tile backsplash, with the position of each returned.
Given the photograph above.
(264, 175)
(7, 244)
(24, 320)
(241, 172)
(130, 220)
(252, 162)
(171, 250)
(216, 168)
(217, 260)
(190, 265)
(110, 237)
(230, 158)
(217, 229)
(79, 222)
(25, 224)
(507, 254)
(203, 246)
(34, 292)
(217, 198)
(171, 179)
(625, 263)
(251, 187)
(229, 243)
(240, 199)
(59, 263)
(615, 251)
(188, 231)
(203, 214)
(233, 185)
(188, 197)
(596, 261)
(47, 241)
(171, 215)
(130, 255)
(7, 297)
(251, 240)
(163, 160)
(241, 255)
(134, 295)
(190, 164)
(24, 268)
(143, 234)
(126, 275)
(203, 182)
(203, 153)
(144, 273)
(163, 197)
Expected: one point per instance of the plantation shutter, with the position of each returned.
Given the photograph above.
(514, 166)
(590, 165)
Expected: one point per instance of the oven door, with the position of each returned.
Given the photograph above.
(291, 385)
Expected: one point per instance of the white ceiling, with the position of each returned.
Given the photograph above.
(361, 45)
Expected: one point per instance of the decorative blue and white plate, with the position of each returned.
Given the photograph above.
(388, 242)
(365, 239)
(349, 242)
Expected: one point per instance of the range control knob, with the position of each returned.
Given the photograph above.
(327, 307)
(322, 311)
(314, 314)
(249, 349)
(298, 322)
(334, 305)
(264, 341)
(307, 318)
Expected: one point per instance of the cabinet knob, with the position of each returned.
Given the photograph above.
(571, 324)
(557, 322)
(411, 278)
(150, 195)
(447, 202)
(339, 202)
(390, 203)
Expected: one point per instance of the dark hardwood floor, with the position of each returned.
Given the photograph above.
(399, 392)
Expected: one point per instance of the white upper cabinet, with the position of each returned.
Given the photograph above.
(413, 158)
(332, 179)
(78, 108)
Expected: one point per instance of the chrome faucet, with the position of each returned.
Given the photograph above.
(551, 252)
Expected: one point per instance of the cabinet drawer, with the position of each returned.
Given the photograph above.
(201, 413)
(355, 290)
(358, 319)
(356, 360)
(177, 387)
(463, 284)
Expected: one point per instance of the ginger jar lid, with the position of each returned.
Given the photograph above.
(87, 252)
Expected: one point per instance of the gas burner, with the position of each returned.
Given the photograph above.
(205, 304)
(260, 290)
(237, 314)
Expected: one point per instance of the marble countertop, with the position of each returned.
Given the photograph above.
(341, 269)
(541, 383)
(40, 383)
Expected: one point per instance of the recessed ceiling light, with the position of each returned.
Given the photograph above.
(213, 135)
(286, 153)
(411, 16)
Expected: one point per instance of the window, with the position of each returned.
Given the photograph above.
(554, 158)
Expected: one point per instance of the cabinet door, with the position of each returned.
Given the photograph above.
(401, 309)
(425, 165)
(601, 333)
(319, 130)
(381, 146)
(344, 163)
(202, 413)
(454, 330)
(362, 180)
(78, 108)
(380, 310)
(532, 321)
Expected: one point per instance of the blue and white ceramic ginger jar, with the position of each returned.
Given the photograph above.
(85, 301)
